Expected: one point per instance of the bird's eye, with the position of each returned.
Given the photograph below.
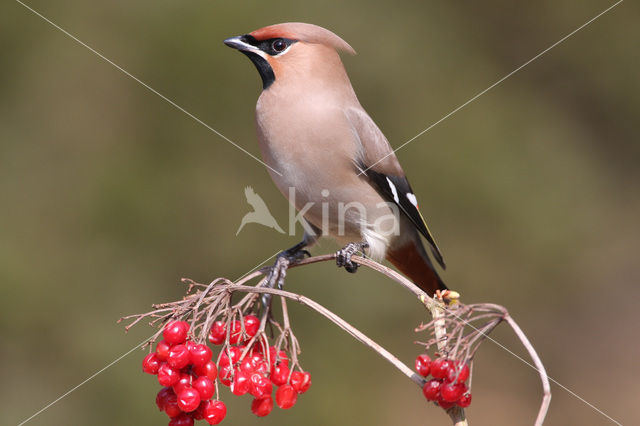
(279, 45)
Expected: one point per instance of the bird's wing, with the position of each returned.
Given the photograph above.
(380, 165)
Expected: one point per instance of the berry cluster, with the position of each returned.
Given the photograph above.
(189, 375)
(259, 371)
(447, 388)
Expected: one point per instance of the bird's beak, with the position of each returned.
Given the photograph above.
(240, 44)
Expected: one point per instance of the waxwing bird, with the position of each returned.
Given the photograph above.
(328, 157)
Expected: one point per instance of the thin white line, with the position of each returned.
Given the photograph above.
(259, 265)
(123, 356)
(148, 87)
(86, 380)
(495, 84)
(534, 367)
(187, 113)
(551, 379)
(255, 158)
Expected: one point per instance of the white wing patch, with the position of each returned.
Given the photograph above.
(394, 191)
(413, 199)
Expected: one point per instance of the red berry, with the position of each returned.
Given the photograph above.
(431, 389)
(179, 356)
(175, 332)
(280, 375)
(162, 350)
(236, 332)
(151, 364)
(301, 381)
(240, 383)
(197, 414)
(247, 365)
(451, 392)
(171, 405)
(225, 375)
(214, 412)
(465, 400)
(445, 404)
(181, 420)
(440, 368)
(262, 367)
(282, 359)
(260, 386)
(218, 332)
(209, 370)
(205, 387)
(168, 376)
(286, 396)
(256, 358)
(163, 395)
(184, 382)
(259, 349)
(270, 355)
(423, 365)
(188, 399)
(200, 354)
(262, 406)
(235, 351)
(459, 370)
(273, 354)
(251, 325)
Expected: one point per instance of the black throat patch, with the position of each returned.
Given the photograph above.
(272, 47)
(263, 67)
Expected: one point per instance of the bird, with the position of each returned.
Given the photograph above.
(329, 158)
(260, 213)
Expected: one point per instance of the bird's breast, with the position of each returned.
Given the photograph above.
(302, 132)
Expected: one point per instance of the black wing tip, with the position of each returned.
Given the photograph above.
(400, 184)
(438, 256)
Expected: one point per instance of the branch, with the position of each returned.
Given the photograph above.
(449, 325)
(546, 388)
(357, 334)
(437, 313)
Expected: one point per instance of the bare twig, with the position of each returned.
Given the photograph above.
(456, 330)
(437, 313)
(546, 398)
(357, 334)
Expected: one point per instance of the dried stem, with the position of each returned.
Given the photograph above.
(453, 327)
(437, 313)
(357, 334)
(546, 398)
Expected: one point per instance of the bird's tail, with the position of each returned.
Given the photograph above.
(412, 260)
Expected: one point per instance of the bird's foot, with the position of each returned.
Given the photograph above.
(343, 256)
(278, 272)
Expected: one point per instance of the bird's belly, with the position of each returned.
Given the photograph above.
(344, 207)
(311, 162)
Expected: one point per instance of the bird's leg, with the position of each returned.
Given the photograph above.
(278, 271)
(343, 256)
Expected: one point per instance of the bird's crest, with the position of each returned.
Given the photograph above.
(307, 33)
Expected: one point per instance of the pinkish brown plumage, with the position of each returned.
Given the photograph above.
(307, 33)
(325, 148)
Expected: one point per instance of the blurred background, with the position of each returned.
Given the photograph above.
(109, 195)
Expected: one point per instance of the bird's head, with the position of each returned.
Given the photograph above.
(282, 50)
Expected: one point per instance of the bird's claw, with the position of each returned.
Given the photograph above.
(343, 256)
(278, 272)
